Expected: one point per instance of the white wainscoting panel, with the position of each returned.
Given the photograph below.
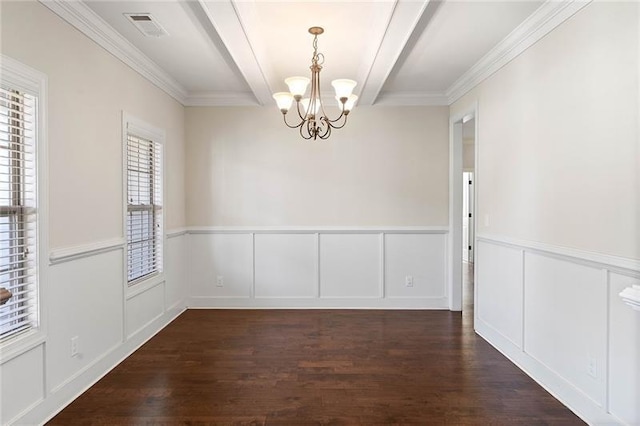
(580, 341)
(84, 300)
(350, 266)
(143, 308)
(499, 289)
(229, 256)
(22, 383)
(421, 256)
(624, 352)
(286, 266)
(306, 267)
(176, 285)
(566, 320)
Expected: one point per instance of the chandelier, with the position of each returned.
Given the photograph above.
(314, 122)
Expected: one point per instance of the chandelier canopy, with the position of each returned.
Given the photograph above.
(314, 122)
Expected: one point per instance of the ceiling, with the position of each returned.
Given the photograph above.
(238, 52)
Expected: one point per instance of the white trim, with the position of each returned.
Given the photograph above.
(545, 19)
(598, 260)
(383, 271)
(565, 392)
(92, 373)
(85, 250)
(177, 232)
(144, 286)
(454, 242)
(80, 16)
(412, 99)
(24, 343)
(393, 43)
(208, 302)
(34, 82)
(227, 23)
(137, 127)
(317, 230)
(317, 260)
(220, 99)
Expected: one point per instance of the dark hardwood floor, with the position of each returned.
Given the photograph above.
(301, 367)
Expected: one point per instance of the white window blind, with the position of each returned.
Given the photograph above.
(18, 214)
(144, 208)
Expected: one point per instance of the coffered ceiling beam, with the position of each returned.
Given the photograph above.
(227, 24)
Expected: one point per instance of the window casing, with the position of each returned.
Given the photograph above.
(19, 211)
(144, 216)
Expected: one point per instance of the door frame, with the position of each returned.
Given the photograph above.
(455, 201)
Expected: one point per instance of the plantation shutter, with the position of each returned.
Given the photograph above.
(144, 208)
(18, 214)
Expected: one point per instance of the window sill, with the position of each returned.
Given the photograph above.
(21, 344)
(144, 285)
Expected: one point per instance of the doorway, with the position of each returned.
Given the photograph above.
(463, 184)
(468, 214)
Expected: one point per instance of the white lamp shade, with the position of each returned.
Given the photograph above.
(297, 85)
(351, 101)
(305, 105)
(284, 100)
(343, 87)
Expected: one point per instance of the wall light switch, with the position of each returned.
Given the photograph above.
(487, 222)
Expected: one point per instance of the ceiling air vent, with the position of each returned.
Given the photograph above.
(147, 24)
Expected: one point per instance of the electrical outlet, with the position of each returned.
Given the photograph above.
(487, 221)
(74, 346)
(219, 281)
(592, 367)
(408, 281)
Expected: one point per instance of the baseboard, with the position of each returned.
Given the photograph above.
(317, 303)
(574, 399)
(63, 396)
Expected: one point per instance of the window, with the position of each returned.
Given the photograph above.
(18, 209)
(144, 203)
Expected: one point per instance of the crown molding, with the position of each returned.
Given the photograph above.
(412, 99)
(80, 16)
(545, 19)
(205, 99)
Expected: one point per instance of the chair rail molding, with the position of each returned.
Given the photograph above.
(85, 250)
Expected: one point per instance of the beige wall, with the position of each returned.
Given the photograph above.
(88, 89)
(558, 137)
(388, 166)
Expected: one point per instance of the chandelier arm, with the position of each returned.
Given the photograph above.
(284, 116)
(309, 135)
(341, 125)
(299, 113)
(319, 92)
(342, 114)
(327, 132)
